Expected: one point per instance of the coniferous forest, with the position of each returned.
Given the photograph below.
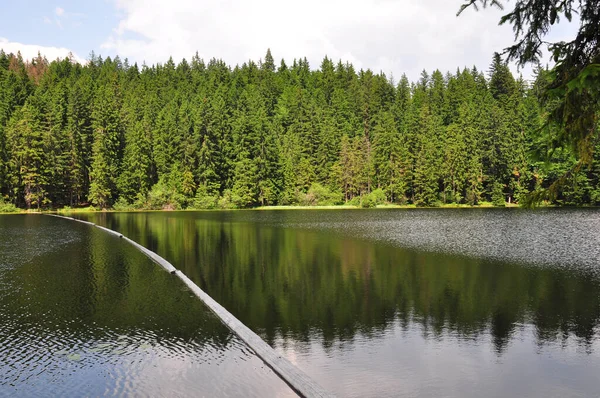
(206, 135)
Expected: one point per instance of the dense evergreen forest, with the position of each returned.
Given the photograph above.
(205, 135)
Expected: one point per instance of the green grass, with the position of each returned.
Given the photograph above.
(11, 209)
(68, 209)
(292, 207)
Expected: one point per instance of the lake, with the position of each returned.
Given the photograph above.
(83, 313)
(431, 302)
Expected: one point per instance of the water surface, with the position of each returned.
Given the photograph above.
(403, 302)
(85, 314)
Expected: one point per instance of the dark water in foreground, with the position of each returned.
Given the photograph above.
(84, 314)
(403, 302)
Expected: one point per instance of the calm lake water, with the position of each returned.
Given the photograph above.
(380, 303)
(83, 313)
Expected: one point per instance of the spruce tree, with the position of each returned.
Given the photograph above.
(107, 147)
(204, 134)
(28, 157)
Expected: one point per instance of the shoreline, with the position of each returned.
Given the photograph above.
(286, 207)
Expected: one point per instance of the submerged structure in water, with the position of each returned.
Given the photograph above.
(83, 312)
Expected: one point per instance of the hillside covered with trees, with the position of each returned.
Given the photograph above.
(205, 135)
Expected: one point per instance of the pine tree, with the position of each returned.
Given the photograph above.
(388, 166)
(244, 191)
(57, 142)
(15, 88)
(80, 135)
(135, 181)
(28, 159)
(107, 147)
(209, 115)
(257, 161)
(502, 82)
(166, 139)
(426, 172)
(343, 171)
(203, 134)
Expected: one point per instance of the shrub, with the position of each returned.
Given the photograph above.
(163, 196)
(225, 201)
(355, 201)
(140, 201)
(7, 207)
(595, 197)
(367, 202)
(377, 196)
(204, 200)
(400, 200)
(122, 205)
(318, 195)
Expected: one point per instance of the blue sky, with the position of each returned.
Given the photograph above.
(393, 36)
(81, 26)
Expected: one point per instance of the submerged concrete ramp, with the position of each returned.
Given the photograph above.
(294, 377)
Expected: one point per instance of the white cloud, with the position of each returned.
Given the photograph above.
(29, 51)
(62, 18)
(389, 35)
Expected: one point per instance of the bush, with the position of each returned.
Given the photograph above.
(378, 196)
(355, 201)
(367, 202)
(226, 201)
(7, 207)
(373, 199)
(204, 200)
(140, 201)
(318, 195)
(595, 197)
(164, 197)
(400, 200)
(122, 205)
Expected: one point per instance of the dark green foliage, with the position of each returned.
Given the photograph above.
(80, 134)
(108, 144)
(203, 135)
(570, 92)
(427, 163)
(28, 162)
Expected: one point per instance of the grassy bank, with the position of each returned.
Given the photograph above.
(70, 210)
(384, 206)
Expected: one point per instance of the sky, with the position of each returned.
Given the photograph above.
(390, 36)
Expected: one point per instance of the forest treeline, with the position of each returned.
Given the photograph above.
(205, 135)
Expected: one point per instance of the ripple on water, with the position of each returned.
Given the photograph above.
(565, 238)
(84, 313)
(419, 302)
